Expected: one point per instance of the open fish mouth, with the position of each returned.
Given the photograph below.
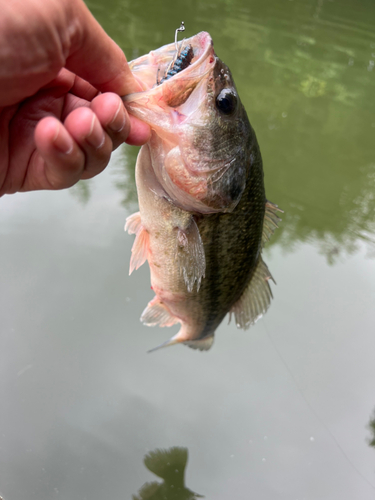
(181, 61)
(193, 58)
(198, 125)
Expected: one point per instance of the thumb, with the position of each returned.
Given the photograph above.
(94, 56)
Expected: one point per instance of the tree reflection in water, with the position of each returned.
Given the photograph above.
(307, 86)
(372, 429)
(170, 466)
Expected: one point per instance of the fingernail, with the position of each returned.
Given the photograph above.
(118, 122)
(62, 140)
(96, 135)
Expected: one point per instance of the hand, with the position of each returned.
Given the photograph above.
(56, 126)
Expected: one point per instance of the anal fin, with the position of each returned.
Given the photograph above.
(156, 313)
(141, 243)
(256, 298)
(190, 255)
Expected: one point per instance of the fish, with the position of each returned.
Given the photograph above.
(170, 466)
(203, 214)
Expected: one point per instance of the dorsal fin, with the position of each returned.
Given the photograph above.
(270, 222)
(256, 298)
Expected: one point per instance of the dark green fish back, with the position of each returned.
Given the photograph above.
(233, 243)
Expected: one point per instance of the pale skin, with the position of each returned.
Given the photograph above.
(61, 77)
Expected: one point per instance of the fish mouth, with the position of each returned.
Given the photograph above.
(176, 102)
(167, 67)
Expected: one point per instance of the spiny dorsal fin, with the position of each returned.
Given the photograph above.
(271, 221)
(256, 298)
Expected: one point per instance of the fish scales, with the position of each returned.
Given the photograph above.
(232, 245)
(203, 215)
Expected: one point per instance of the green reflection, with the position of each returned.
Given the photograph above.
(372, 429)
(81, 191)
(170, 466)
(124, 175)
(305, 72)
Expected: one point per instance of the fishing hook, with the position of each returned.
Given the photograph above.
(181, 28)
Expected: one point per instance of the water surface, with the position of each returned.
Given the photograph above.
(281, 411)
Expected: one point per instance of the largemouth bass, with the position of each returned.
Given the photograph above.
(203, 215)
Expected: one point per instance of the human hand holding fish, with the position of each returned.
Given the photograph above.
(60, 111)
(204, 216)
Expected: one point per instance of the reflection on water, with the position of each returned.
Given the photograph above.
(123, 171)
(82, 191)
(170, 466)
(305, 72)
(78, 385)
(124, 176)
(372, 429)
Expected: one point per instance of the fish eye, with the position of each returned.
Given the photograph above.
(226, 101)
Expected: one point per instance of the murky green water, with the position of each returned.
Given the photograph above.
(281, 411)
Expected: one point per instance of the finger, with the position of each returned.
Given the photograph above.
(73, 84)
(86, 130)
(140, 132)
(112, 116)
(97, 58)
(64, 80)
(58, 162)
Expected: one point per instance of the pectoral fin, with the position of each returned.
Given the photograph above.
(133, 223)
(141, 243)
(190, 255)
(256, 298)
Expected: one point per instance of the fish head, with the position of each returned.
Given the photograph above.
(200, 131)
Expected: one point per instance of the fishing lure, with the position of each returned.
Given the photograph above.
(182, 60)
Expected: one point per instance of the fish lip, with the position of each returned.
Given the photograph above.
(206, 44)
(201, 41)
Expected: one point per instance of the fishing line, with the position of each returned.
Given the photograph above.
(323, 424)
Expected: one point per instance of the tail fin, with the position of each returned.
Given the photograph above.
(202, 344)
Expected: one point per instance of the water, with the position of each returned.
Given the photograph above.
(281, 411)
